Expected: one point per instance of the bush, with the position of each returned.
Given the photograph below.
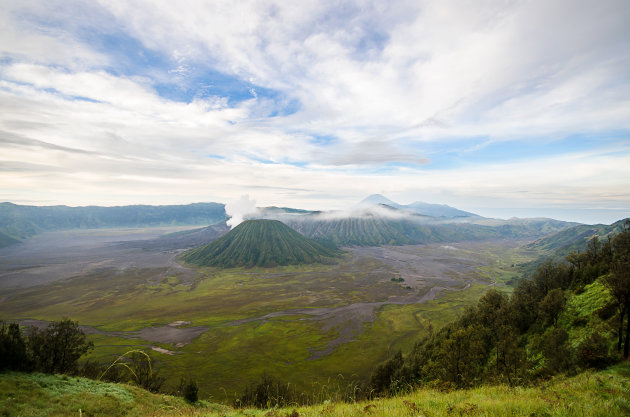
(556, 350)
(594, 352)
(190, 390)
(265, 394)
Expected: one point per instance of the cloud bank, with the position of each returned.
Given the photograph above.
(316, 104)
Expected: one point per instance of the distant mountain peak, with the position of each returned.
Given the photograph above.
(418, 207)
(378, 199)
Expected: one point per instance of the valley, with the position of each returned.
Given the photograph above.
(317, 326)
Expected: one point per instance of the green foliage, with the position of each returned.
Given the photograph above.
(134, 367)
(459, 357)
(58, 347)
(264, 243)
(535, 333)
(550, 307)
(42, 395)
(618, 282)
(189, 390)
(555, 348)
(266, 393)
(13, 352)
(594, 394)
(594, 352)
(389, 375)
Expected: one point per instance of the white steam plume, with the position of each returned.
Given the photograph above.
(238, 209)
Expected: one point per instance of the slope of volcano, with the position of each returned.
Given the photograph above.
(264, 243)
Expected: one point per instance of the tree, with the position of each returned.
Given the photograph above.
(523, 305)
(13, 353)
(556, 350)
(618, 282)
(460, 356)
(550, 307)
(509, 358)
(549, 276)
(386, 373)
(58, 347)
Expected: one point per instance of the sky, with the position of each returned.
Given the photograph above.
(502, 108)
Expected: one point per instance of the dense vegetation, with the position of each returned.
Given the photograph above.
(264, 243)
(562, 319)
(54, 349)
(21, 222)
(57, 348)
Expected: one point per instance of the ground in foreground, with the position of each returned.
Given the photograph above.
(604, 393)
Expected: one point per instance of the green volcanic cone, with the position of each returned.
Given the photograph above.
(260, 243)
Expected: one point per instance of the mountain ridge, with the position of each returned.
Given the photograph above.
(418, 207)
(21, 221)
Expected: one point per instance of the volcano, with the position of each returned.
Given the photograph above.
(265, 243)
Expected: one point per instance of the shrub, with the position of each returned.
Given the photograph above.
(265, 394)
(594, 352)
(190, 390)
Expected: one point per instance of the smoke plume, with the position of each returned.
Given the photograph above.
(238, 209)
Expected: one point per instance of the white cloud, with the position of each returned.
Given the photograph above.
(386, 82)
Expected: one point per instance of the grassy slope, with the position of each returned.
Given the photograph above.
(575, 238)
(259, 243)
(589, 394)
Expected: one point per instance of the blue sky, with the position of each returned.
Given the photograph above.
(500, 108)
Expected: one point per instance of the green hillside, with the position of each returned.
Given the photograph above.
(602, 394)
(575, 238)
(21, 222)
(264, 243)
(360, 231)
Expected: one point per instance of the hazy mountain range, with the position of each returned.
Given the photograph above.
(374, 221)
(424, 209)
